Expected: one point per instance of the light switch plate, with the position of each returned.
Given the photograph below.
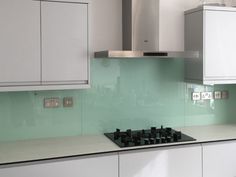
(51, 102)
(68, 102)
(217, 95)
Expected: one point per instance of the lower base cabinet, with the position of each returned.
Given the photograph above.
(219, 159)
(97, 166)
(206, 160)
(183, 161)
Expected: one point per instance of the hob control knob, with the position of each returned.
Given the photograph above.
(129, 132)
(123, 138)
(168, 139)
(139, 135)
(143, 132)
(158, 140)
(137, 142)
(153, 130)
(175, 137)
(126, 143)
(117, 134)
(163, 140)
(169, 131)
(179, 134)
(146, 141)
(152, 141)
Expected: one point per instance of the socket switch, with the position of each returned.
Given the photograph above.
(51, 102)
(67, 102)
(206, 95)
(217, 95)
(196, 96)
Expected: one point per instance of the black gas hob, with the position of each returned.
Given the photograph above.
(131, 138)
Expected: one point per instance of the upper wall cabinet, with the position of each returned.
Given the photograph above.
(44, 45)
(64, 43)
(211, 30)
(19, 42)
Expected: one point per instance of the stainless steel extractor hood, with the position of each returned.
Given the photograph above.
(141, 33)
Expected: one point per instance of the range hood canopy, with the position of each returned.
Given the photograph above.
(113, 54)
(141, 33)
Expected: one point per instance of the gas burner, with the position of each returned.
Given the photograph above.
(131, 138)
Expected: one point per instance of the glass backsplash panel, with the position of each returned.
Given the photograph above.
(127, 93)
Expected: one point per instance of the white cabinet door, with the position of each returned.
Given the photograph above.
(211, 30)
(172, 162)
(100, 166)
(19, 42)
(219, 42)
(219, 159)
(64, 42)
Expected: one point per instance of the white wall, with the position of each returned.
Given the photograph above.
(106, 25)
(171, 24)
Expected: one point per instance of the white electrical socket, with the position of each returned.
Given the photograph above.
(51, 102)
(206, 95)
(196, 96)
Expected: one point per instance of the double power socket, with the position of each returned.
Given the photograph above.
(56, 102)
(217, 95)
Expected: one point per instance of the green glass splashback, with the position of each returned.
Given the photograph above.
(128, 93)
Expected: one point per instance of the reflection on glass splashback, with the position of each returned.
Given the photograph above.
(127, 93)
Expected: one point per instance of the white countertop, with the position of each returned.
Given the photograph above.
(43, 149)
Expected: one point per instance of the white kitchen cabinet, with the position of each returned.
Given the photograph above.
(65, 53)
(164, 162)
(19, 42)
(211, 30)
(219, 159)
(44, 45)
(96, 166)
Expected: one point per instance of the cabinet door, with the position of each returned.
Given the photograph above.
(174, 162)
(103, 166)
(64, 42)
(219, 45)
(19, 42)
(219, 159)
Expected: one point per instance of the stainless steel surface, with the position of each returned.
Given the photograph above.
(118, 54)
(141, 33)
(140, 25)
(142, 54)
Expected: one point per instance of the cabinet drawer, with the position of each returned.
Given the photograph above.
(172, 162)
(99, 166)
(219, 159)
